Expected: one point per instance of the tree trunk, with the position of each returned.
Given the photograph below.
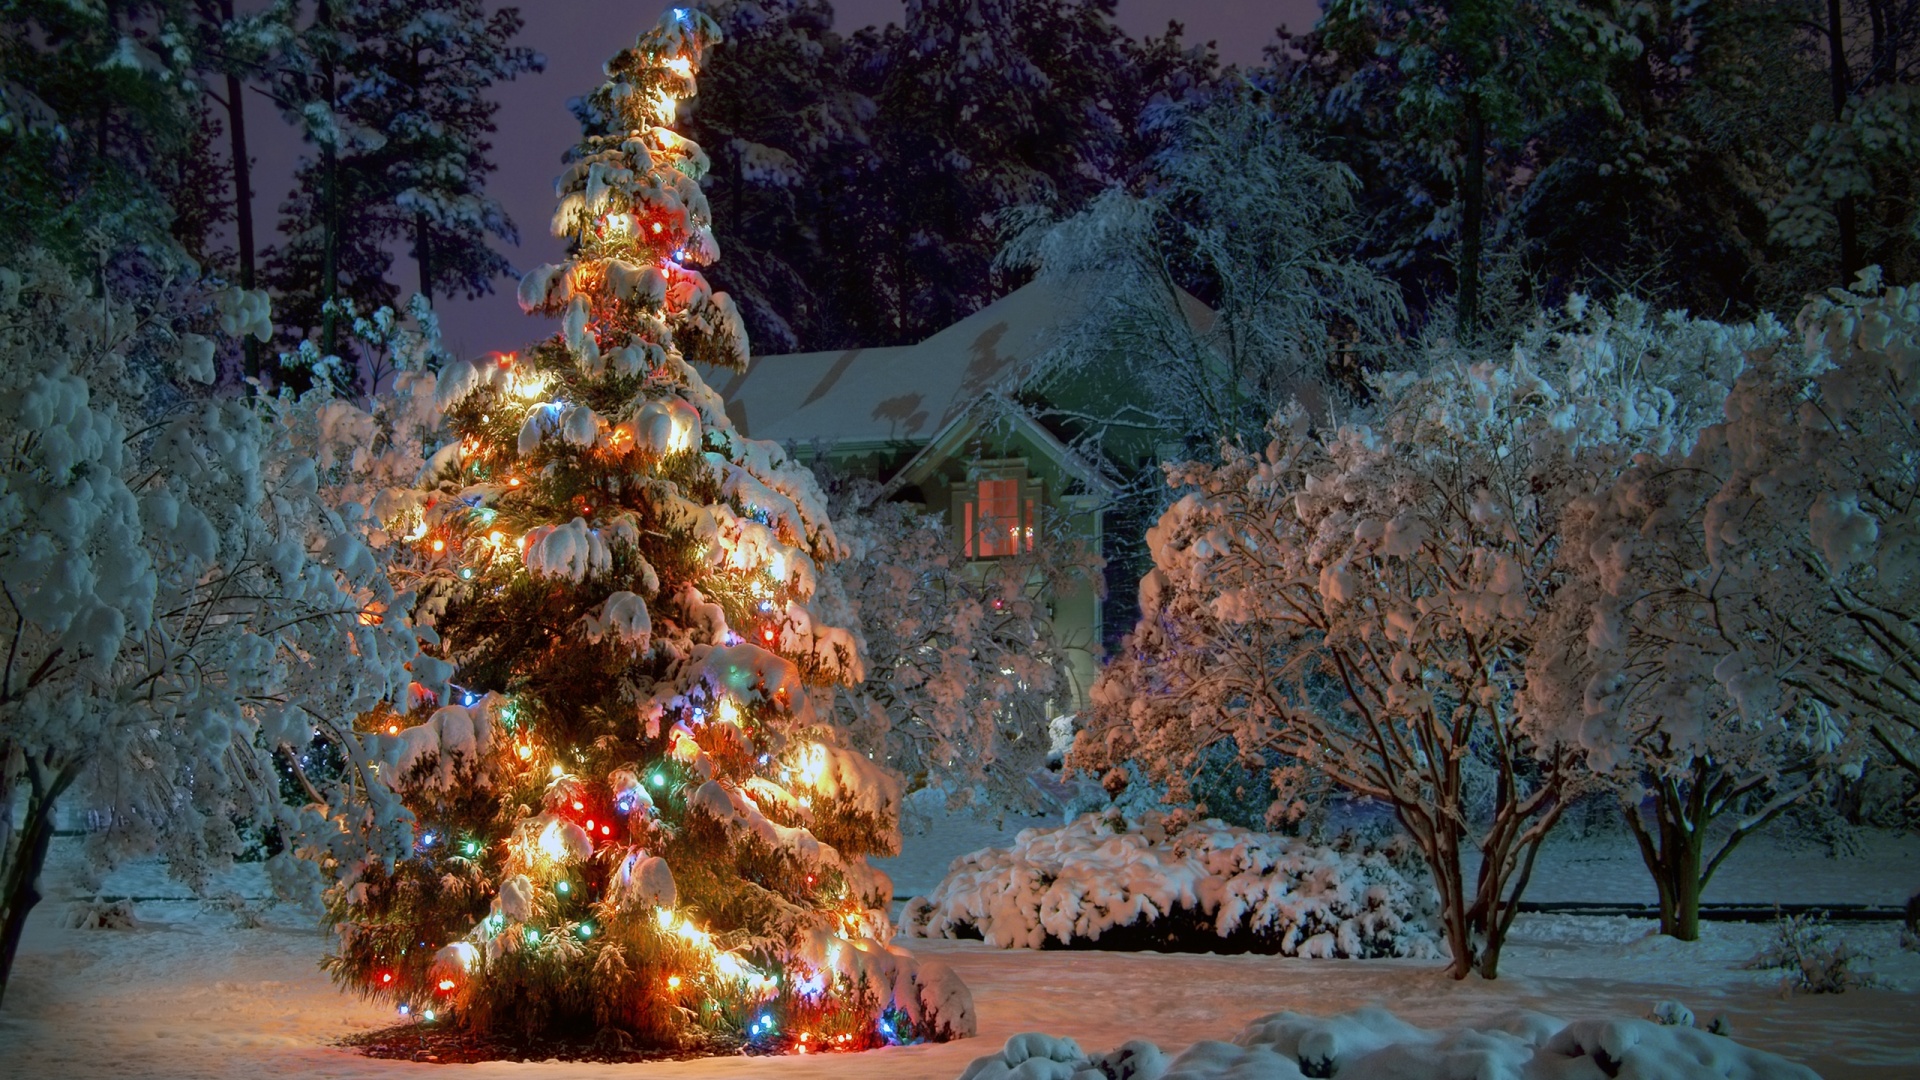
(1473, 194)
(1675, 859)
(1506, 865)
(26, 860)
(1439, 844)
(423, 253)
(242, 192)
(1840, 83)
(330, 207)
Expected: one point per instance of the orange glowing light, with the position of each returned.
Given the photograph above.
(496, 538)
(515, 482)
(526, 752)
(445, 985)
(439, 545)
(657, 227)
(673, 982)
(393, 729)
(767, 633)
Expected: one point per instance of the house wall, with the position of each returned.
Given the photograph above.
(940, 480)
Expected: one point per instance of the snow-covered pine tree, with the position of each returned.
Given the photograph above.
(392, 96)
(421, 73)
(631, 820)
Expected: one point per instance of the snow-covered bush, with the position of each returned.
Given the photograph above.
(1736, 611)
(1372, 1042)
(1362, 599)
(1205, 887)
(1813, 961)
(100, 915)
(182, 605)
(964, 670)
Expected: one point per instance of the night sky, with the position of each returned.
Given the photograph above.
(576, 36)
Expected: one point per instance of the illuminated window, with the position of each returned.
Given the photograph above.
(997, 514)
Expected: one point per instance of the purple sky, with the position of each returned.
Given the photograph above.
(576, 36)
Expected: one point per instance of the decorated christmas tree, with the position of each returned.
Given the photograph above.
(629, 818)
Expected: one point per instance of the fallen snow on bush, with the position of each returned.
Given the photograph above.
(1204, 887)
(1373, 1043)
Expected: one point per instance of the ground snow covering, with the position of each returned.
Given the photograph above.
(1373, 1044)
(190, 992)
(1213, 886)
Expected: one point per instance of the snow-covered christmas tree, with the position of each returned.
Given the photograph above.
(629, 817)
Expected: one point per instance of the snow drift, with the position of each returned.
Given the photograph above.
(1372, 1042)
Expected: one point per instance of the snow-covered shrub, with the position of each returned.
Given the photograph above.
(1372, 1042)
(182, 606)
(1097, 882)
(1363, 598)
(1813, 961)
(1735, 612)
(100, 915)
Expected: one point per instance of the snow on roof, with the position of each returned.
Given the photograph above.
(905, 393)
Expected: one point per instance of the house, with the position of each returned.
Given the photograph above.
(951, 424)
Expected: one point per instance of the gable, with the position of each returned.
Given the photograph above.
(904, 393)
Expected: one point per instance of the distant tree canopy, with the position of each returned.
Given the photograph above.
(1726, 157)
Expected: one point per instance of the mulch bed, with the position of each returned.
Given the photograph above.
(448, 1045)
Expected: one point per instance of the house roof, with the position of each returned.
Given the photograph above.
(906, 393)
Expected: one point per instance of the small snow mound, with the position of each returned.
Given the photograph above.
(1372, 1042)
(100, 915)
(1208, 887)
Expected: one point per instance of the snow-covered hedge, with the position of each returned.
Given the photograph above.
(1204, 887)
(1372, 1042)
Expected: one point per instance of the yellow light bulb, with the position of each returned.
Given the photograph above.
(552, 845)
(680, 65)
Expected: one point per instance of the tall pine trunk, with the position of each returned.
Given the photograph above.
(242, 191)
(423, 253)
(1473, 210)
(27, 857)
(1840, 84)
(330, 205)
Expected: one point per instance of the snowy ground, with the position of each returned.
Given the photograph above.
(188, 994)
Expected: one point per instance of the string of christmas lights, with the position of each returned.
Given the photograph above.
(629, 815)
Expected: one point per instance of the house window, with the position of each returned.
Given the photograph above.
(998, 513)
